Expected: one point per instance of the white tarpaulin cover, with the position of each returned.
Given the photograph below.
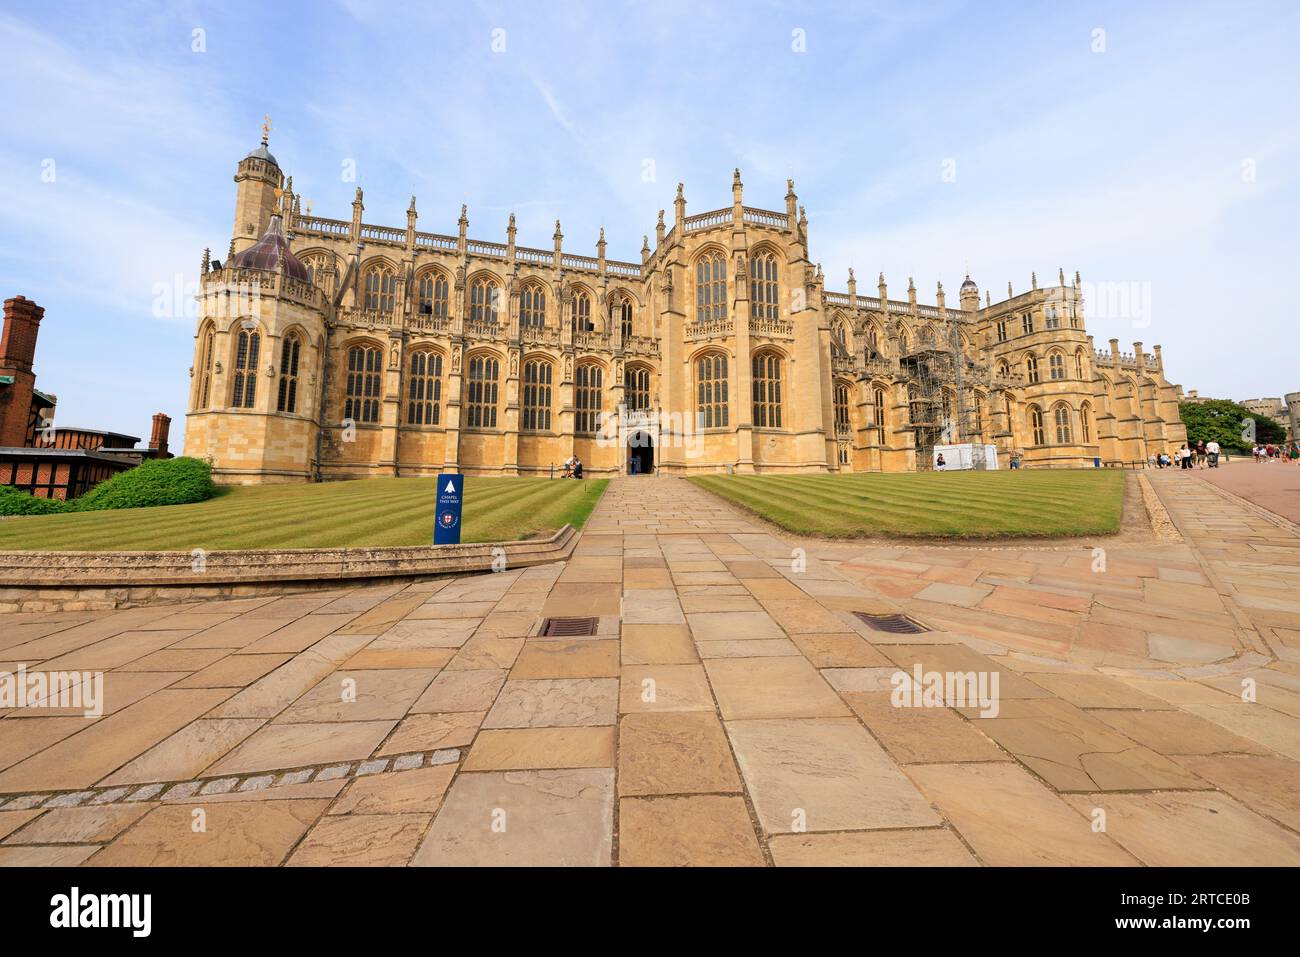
(965, 456)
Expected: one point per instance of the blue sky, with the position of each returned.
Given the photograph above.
(1171, 159)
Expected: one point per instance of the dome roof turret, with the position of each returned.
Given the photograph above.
(270, 253)
(263, 153)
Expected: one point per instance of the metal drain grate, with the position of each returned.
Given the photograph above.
(894, 624)
(569, 627)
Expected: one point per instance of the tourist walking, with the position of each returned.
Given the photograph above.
(1212, 452)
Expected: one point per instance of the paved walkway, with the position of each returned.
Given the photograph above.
(1273, 485)
(729, 709)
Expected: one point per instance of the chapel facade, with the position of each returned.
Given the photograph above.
(330, 349)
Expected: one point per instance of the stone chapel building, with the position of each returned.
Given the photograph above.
(329, 349)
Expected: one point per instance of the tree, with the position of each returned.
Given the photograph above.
(1223, 421)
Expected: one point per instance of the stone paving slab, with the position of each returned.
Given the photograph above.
(730, 709)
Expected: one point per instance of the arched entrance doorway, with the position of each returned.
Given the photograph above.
(640, 454)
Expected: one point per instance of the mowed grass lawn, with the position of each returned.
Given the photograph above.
(383, 511)
(1004, 504)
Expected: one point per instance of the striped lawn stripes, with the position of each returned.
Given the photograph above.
(378, 512)
(942, 505)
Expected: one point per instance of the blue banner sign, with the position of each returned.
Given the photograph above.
(446, 526)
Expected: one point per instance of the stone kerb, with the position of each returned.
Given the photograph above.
(24, 574)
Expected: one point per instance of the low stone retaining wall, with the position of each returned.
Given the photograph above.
(83, 581)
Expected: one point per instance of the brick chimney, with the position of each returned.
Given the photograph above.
(22, 324)
(17, 351)
(158, 437)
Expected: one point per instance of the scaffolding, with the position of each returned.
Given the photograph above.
(942, 409)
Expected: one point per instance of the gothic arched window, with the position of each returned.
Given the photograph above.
(636, 388)
(380, 288)
(481, 393)
(711, 391)
(433, 290)
(287, 400)
(365, 364)
(1056, 366)
(424, 392)
(1036, 425)
(320, 271)
(484, 300)
(767, 390)
(624, 311)
(537, 396)
(580, 312)
(1061, 419)
(247, 345)
(205, 368)
(532, 306)
(588, 398)
(764, 287)
(841, 408)
(711, 287)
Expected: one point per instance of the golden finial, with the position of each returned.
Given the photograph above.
(266, 128)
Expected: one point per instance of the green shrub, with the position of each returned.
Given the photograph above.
(152, 482)
(16, 502)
